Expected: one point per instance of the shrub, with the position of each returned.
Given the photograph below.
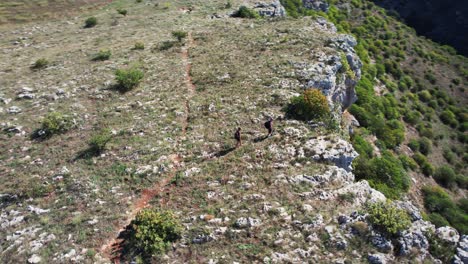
(414, 145)
(363, 147)
(427, 169)
(102, 55)
(436, 200)
(439, 248)
(153, 231)
(445, 176)
(448, 118)
(385, 173)
(408, 163)
(122, 11)
(139, 46)
(97, 143)
(388, 218)
(90, 22)
(179, 35)
(40, 64)
(128, 79)
(245, 12)
(425, 145)
(56, 123)
(312, 104)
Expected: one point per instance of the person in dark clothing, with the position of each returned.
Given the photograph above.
(269, 125)
(238, 138)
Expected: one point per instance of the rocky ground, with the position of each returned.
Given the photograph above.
(289, 198)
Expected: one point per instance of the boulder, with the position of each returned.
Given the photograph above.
(270, 9)
(334, 150)
(317, 5)
(448, 234)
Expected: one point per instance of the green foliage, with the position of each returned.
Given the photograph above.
(123, 12)
(56, 123)
(448, 118)
(385, 173)
(436, 200)
(425, 145)
(388, 218)
(363, 147)
(128, 79)
(102, 55)
(245, 12)
(445, 176)
(40, 64)
(345, 68)
(139, 46)
(153, 231)
(97, 143)
(295, 8)
(408, 163)
(439, 248)
(90, 22)
(179, 35)
(311, 105)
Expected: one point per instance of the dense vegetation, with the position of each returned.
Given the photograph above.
(413, 97)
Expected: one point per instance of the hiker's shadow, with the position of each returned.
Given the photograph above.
(224, 152)
(260, 139)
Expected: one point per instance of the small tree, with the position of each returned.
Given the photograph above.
(97, 143)
(128, 79)
(388, 218)
(312, 104)
(179, 35)
(56, 123)
(102, 55)
(40, 64)
(90, 22)
(153, 231)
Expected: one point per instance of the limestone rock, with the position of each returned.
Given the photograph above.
(462, 251)
(318, 5)
(448, 234)
(335, 150)
(270, 9)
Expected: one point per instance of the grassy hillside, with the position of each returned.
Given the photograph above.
(117, 130)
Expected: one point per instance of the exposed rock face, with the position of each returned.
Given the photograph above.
(327, 73)
(270, 9)
(448, 234)
(337, 151)
(462, 251)
(318, 5)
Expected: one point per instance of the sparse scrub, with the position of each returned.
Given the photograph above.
(153, 231)
(97, 143)
(40, 64)
(123, 12)
(388, 218)
(127, 79)
(179, 35)
(245, 12)
(90, 22)
(102, 55)
(139, 46)
(56, 123)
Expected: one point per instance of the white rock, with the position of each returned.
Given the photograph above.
(34, 259)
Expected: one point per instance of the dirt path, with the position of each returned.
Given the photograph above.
(112, 248)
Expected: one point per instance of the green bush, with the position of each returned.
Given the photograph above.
(408, 163)
(436, 200)
(311, 105)
(97, 143)
(425, 145)
(445, 176)
(90, 22)
(448, 118)
(139, 46)
(102, 55)
(153, 231)
(179, 35)
(56, 123)
(363, 147)
(385, 173)
(439, 248)
(40, 64)
(128, 79)
(388, 218)
(245, 12)
(123, 12)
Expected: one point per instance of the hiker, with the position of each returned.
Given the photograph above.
(237, 136)
(269, 125)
